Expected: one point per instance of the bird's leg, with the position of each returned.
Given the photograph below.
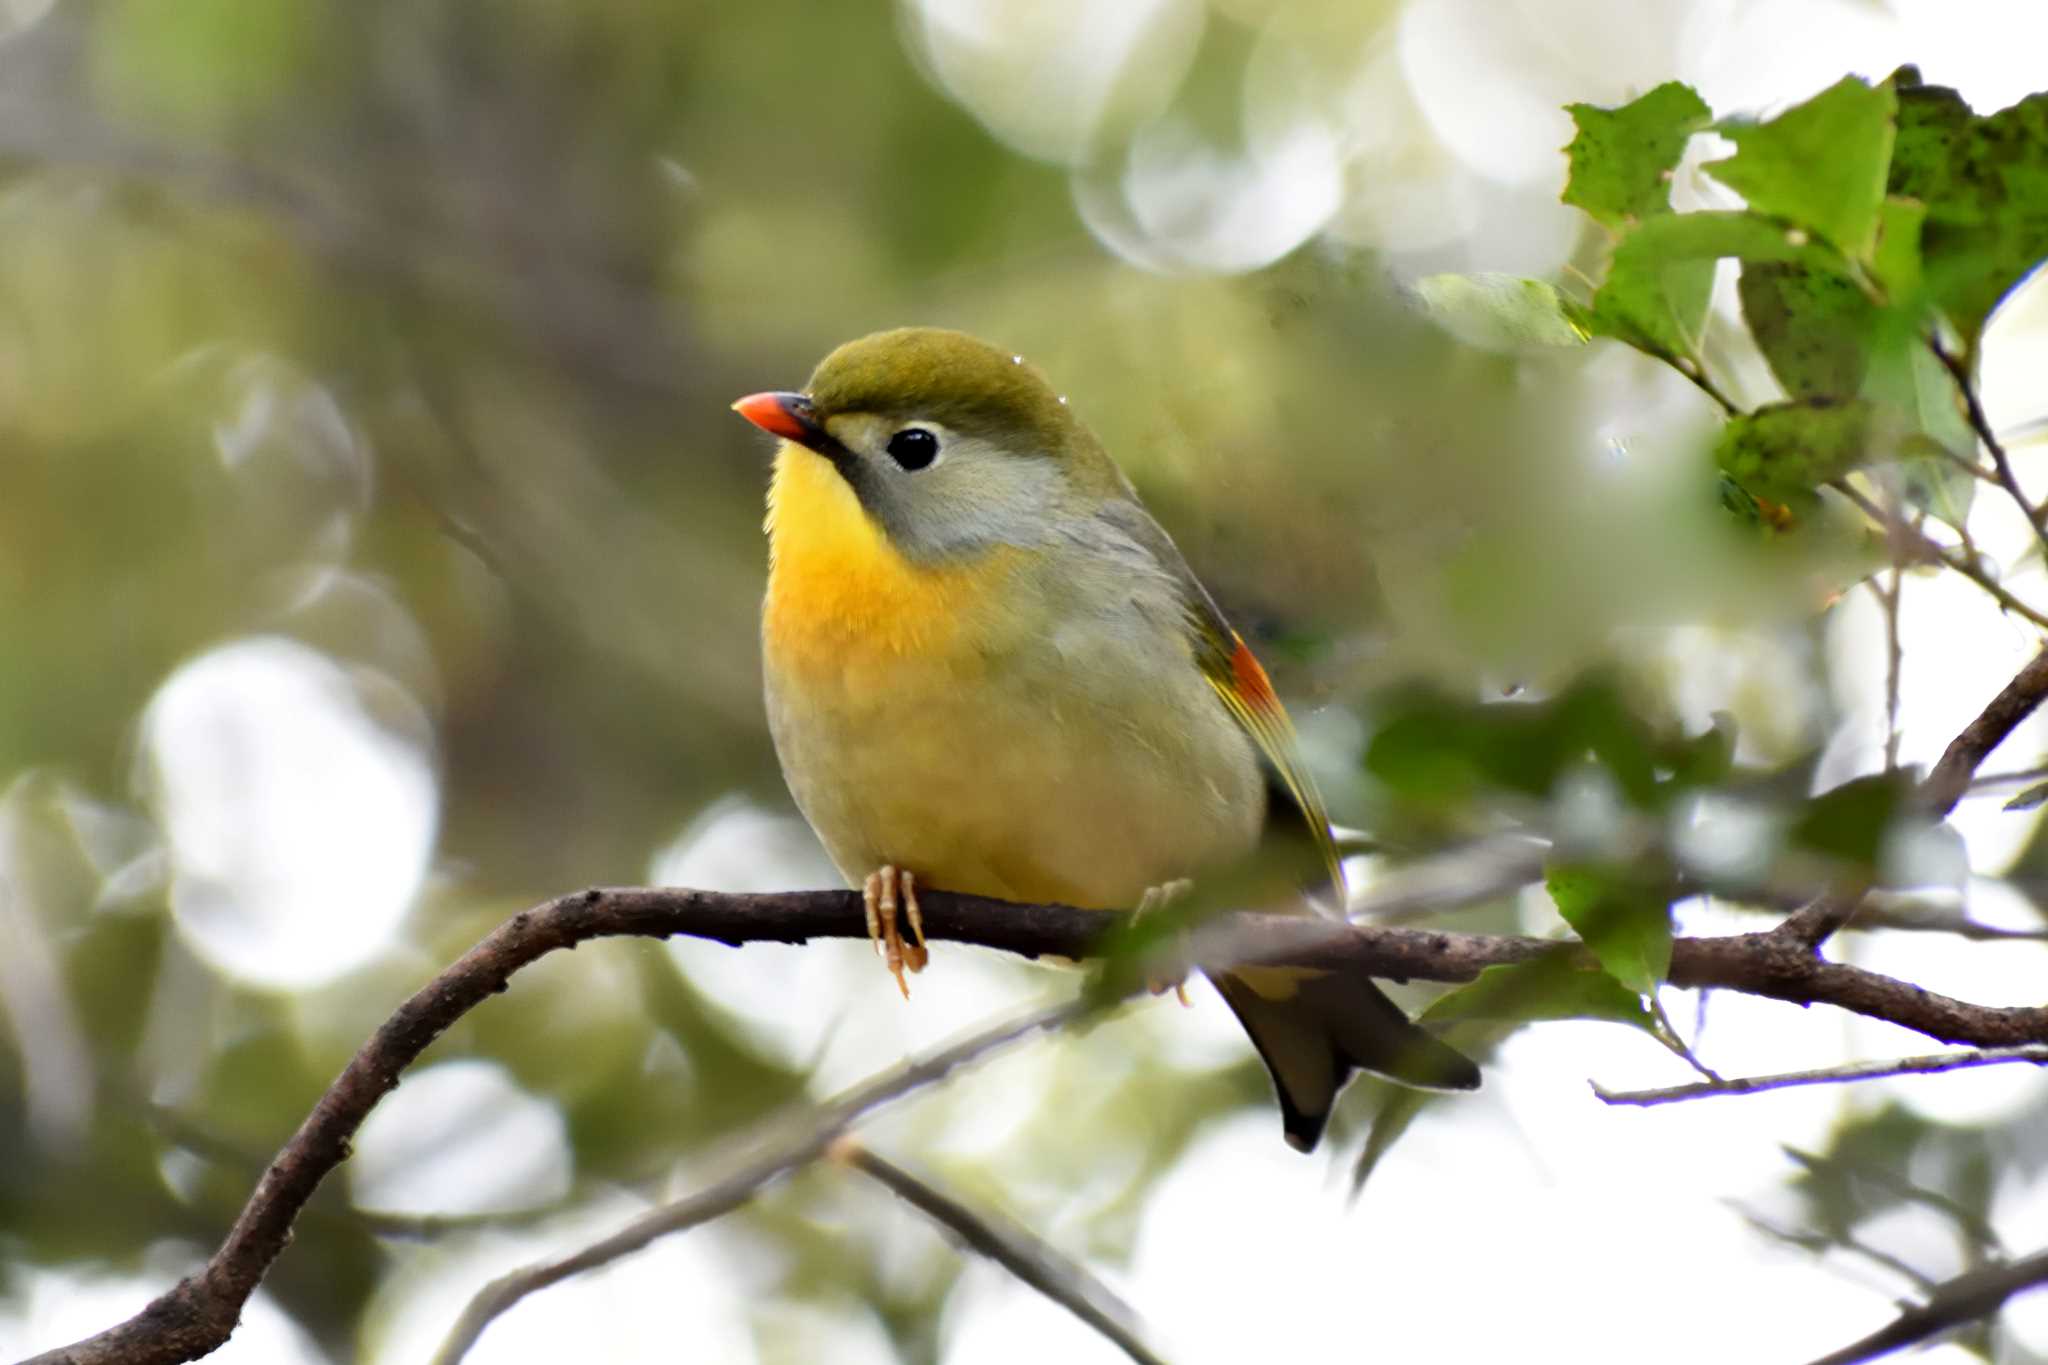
(878, 898)
(1155, 899)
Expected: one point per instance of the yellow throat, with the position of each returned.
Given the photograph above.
(839, 591)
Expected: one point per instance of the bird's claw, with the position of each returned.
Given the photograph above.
(879, 898)
(1155, 899)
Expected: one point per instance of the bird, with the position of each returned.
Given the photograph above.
(988, 669)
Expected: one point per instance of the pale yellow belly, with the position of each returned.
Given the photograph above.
(1025, 778)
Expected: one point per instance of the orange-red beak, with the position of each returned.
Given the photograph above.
(787, 415)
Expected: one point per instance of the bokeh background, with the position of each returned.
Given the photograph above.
(378, 557)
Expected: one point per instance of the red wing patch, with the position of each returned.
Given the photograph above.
(1250, 678)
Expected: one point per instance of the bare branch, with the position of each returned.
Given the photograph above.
(1981, 424)
(782, 1145)
(1966, 1298)
(2016, 701)
(1927, 550)
(1828, 1075)
(1031, 1259)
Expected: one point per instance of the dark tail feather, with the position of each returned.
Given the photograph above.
(1312, 1028)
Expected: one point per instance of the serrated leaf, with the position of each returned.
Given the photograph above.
(1812, 326)
(1786, 449)
(1625, 921)
(1984, 183)
(1821, 164)
(1500, 312)
(1622, 159)
(1657, 287)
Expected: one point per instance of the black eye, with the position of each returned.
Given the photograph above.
(913, 447)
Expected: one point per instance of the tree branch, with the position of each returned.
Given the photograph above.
(781, 1147)
(1966, 1298)
(1031, 1259)
(1830, 1075)
(197, 1315)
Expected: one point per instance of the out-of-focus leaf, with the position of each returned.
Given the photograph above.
(1851, 821)
(2031, 798)
(1820, 164)
(203, 63)
(1984, 183)
(1622, 918)
(1812, 326)
(1787, 449)
(1476, 1018)
(1433, 749)
(1500, 312)
(1622, 159)
(1547, 989)
(1705, 759)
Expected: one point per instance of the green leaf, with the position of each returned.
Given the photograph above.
(1657, 287)
(1476, 1018)
(1432, 749)
(1850, 822)
(1984, 184)
(1622, 159)
(1621, 917)
(1500, 312)
(2030, 799)
(1820, 164)
(1705, 759)
(1546, 989)
(1896, 263)
(1785, 449)
(1811, 325)
(1917, 400)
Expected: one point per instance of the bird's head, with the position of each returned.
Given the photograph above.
(951, 445)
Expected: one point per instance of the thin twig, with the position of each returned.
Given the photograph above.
(1981, 424)
(1829, 1075)
(784, 1144)
(1968, 1297)
(1934, 552)
(1017, 1249)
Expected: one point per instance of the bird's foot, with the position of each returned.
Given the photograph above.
(1155, 899)
(878, 894)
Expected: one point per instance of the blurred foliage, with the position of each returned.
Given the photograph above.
(405, 331)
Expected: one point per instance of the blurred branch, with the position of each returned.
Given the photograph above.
(781, 1146)
(196, 1316)
(1938, 793)
(1964, 1299)
(1015, 1248)
(1832, 1075)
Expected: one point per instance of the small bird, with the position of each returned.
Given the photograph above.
(988, 669)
